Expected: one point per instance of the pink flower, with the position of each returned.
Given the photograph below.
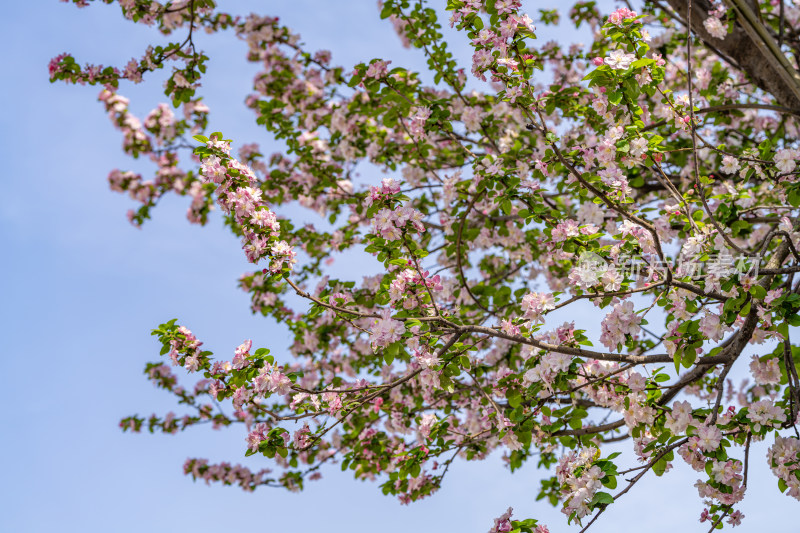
(708, 438)
(535, 305)
(711, 327)
(765, 412)
(735, 518)
(564, 230)
(636, 381)
(679, 419)
(278, 383)
(502, 523)
(621, 321)
(377, 69)
(617, 17)
(767, 372)
(714, 27)
(783, 459)
(426, 424)
(729, 164)
(386, 330)
(417, 126)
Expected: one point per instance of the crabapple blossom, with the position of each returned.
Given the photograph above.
(644, 181)
(621, 321)
(619, 60)
(785, 160)
(715, 27)
(535, 305)
(765, 373)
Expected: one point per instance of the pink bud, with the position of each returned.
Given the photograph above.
(376, 405)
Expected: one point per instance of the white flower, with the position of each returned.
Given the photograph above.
(619, 60)
(715, 27)
(730, 164)
(784, 159)
(638, 147)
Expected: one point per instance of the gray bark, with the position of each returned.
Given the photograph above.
(749, 54)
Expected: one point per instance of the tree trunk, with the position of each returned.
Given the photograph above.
(751, 53)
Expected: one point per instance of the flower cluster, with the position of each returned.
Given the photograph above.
(784, 460)
(238, 196)
(389, 223)
(580, 481)
(489, 210)
(619, 323)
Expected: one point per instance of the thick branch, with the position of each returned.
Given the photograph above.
(751, 50)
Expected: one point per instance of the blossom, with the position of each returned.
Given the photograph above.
(426, 424)
(502, 523)
(564, 230)
(619, 60)
(535, 305)
(240, 355)
(472, 117)
(729, 164)
(785, 159)
(417, 124)
(617, 17)
(386, 330)
(714, 26)
(550, 365)
(727, 472)
(579, 488)
(621, 321)
(678, 420)
(735, 518)
(765, 412)
(278, 383)
(765, 373)
(711, 327)
(638, 412)
(636, 381)
(708, 437)
(638, 147)
(377, 69)
(490, 215)
(784, 461)
(212, 169)
(513, 93)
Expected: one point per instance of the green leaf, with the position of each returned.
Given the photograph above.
(602, 498)
(794, 197)
(677, 359)
(660, 467)
(745, 310)
(387, 11)
(689, 357)
(758, 292)
(514, 398)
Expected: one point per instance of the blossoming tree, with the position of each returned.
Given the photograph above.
(649, 179)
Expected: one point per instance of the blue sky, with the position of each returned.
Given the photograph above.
(81, 290)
